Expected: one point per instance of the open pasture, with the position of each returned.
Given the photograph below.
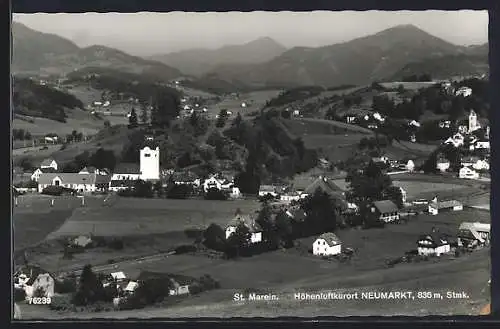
(408, 85)
(415, 188)
(129, 217)
(254, 101)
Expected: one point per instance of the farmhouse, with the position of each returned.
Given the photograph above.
(39, 171)
(118, 276)
(473, 234)
(49, 163)
(414, 123)
(436, 206)
(180, 286)
(265, 190)
(463, 91)
(253, 227)
(456, 140)
(290, 196)
(386, 211)
(482, 145)
(82, 241)
(433, 244)
(410, 165)
(327, 244)
(78, 182)
(442, 164)
(34, 280)
(468, 173)
(481, 164)
(468, 161)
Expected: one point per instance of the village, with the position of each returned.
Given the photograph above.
(285, 215)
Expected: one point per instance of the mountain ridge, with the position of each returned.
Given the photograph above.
(35, 52)
(199, 61)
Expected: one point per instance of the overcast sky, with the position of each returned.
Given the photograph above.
(150, 33)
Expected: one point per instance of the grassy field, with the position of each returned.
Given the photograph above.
(285, 272)
(408, 85)
(79, 120)
(254, 100)
(34, 219)
(131, 217)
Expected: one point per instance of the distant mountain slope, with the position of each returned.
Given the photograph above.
(446, 67)
(200, 61)
(35, 52)
(32, 99)
(357, 62)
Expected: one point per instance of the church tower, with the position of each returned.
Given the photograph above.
(473, 124)
(150, 163)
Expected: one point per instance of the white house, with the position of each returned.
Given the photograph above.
(377, 116)
(414, 123)
(34, 280)
(234, 192)
(481, 164)
(464, 91)
(118, 276)
(255, 230)
(150, 163)
(49, 163)
(433, 244)
(473, 234)
(78, 182)
(468, 161)
(485, 145)
(212, 182)
(290, 196)
(327, 244)
(267, 190)
(468, 173)
(442, 164)
(39, 171)
(436, 206)
(445, 124)
(410, 165)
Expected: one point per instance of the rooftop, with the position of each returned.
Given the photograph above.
(385, 206)
(330, 238)
(67, 178)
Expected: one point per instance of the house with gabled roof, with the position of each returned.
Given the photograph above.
(473, 234)
(433, 244)
(436, 206)
(39, 171)
(79, 182)
(385, 211)
(327, 244)
(49, 163)
(249, 222)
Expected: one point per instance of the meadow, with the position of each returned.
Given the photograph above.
(132, 217)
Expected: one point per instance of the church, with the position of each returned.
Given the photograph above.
(148, 169)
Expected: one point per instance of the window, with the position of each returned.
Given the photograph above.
(56, 183)
(147, 155)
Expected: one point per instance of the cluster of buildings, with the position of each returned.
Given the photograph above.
(471, 139)
(90, 179)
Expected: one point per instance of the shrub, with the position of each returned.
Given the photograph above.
(62, 303)
(19, 295)
(185, 249)
(216, 194)
(67, 285)
(116, 244)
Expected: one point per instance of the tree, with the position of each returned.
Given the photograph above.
(215, 194)
(158, 188)
(214, 237)
(284, 228)
(238, 240)
(143, 189)
(144, 115)
(321, 212)
(132, 120)
(179, 191)
(394, 194)
(103, 159)
(369, 184)
(90, 289)
(265, 222)
(222, 118)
